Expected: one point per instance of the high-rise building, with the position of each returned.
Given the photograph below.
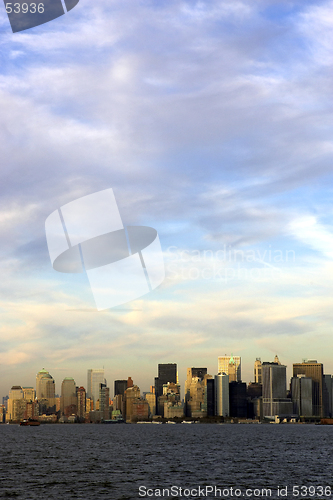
(81, 402)
(327, 395)
(16, 404)
(257, 371)
(68, 398)
(151, 398)
(45, 390)
(222, 395)
(195, 392)
(167, 372)
(209, 404)
(301, 389)
(120, 387)
(131, 394)
(237, 399)
(95, 378)
(310, 368)
(274, 390)
(104, 397)
(230, 365)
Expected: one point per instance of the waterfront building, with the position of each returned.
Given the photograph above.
(311, 368)
(167, 372)
(237, 400)
(209, 397)
(16, 404)
(104, 397)
(45, 391)
(274, 390)
(222, 395)
(150, 397)
(81, 403)
(140, 410)
(94, 378)
(120, 387)
(173, 409)
(131, 394)
(68, 398)
(257, 371)
(195, 392)
(301, 389)
(2, 414)
(230, 365)
(327, 396)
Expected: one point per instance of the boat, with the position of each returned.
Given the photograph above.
(326, 421)
(29, 421)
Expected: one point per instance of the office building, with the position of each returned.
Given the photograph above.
(104, 398)
(257, 371)
(81, 402)
(167, 372)
(301, 389)
(274, 390)
(237, 400)
(151, 398)
(221, 395)
(68, 398)
(120, 387)
(209, 398)
(230, 365)
(16, 404)
(327, 396)
(140, 410)
(94, 379)
(195, 392)
(131, 394)
(45, 391)
(312, 369)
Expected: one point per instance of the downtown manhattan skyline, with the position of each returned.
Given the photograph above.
(211, 123)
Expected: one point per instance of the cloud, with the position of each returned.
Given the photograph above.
(211, 123)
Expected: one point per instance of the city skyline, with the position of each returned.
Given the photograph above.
(181, 374)
(218, 135)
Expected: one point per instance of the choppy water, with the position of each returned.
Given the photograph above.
(112, 462)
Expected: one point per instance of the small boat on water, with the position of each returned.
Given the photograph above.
(29, 421)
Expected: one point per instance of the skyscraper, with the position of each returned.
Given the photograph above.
(257, 371)
(120, 387)
(230, 365)
(274, 390)
(45, 390)
(95, 378)
(301, 395)
(310, 368)
(167, 372)
(222, 395)
(104, 396)
(81, 403)
(68, 398)
(16, 404)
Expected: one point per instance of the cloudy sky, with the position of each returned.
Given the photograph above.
(212, 122)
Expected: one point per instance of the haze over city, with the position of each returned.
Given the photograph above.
(211, 122)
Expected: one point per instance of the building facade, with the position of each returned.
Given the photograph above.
(230, 365)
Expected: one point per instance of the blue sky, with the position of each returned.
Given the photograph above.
(212, 122)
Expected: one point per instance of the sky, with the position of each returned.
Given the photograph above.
(212, 123)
